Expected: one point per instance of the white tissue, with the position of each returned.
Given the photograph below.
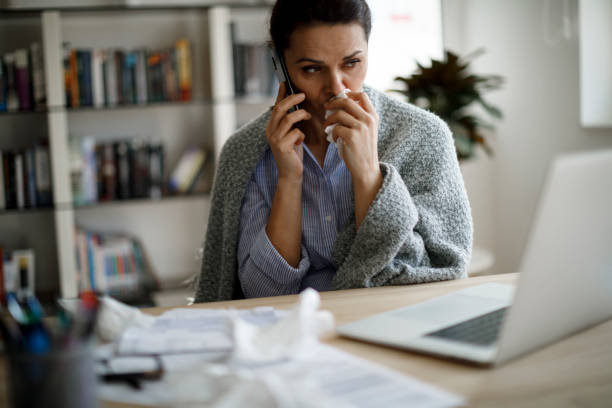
(295, 334)
(329, 129)
(114, 317)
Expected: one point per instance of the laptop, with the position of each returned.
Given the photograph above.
(565, 281)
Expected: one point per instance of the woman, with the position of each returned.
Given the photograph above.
(291, 210)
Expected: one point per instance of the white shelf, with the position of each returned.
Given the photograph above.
(171, 229)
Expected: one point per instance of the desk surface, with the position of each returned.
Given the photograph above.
(576, 371)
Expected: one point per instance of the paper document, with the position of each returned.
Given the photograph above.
(327, 378)
(190, 330)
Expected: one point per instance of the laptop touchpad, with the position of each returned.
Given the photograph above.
(453, 308)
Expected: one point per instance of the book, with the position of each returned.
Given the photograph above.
(156, 170)
(85, 77)
(2, 188)
(2, 290)
(19, 184)
(90, 171)
(97, 78)
(74, 79)
(110, 78)
(109, 173)
(183, 53)
(127, 74)
(114, 264)
(119, 57)
(140, 169)
(42, 175)
(187, 170)
(39, 92)
(122, 160)
(25, 271)
(22, 79)
(12, 99)
(141, 77)
(30, 176)
(10, 274)
(9, 180)
(3, 86)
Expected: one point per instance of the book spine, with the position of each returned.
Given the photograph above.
(129, 78)
(19, 187)
(38, 76)
(12, 99)
(111, 79)
(97, 79)
(67, 74)
(25, 267)
(2, 187)
(2, 278)
(90, 261)
(122, 158)
(74, 79)
(99, 158)
(3, 85)
(109, 173)
(42, 174)
(156, 170)
(183, 51)
(86, 76)
(141, 77)
(119, 66)
(22, 72)
(90, 183)
(31, 176)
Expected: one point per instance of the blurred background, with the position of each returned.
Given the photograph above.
(113, 113)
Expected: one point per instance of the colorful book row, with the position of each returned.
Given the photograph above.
(22, 80)
(112, 264)
(25, 178)
(111, 77)
(116, 170)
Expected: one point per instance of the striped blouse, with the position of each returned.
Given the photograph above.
(326, 205)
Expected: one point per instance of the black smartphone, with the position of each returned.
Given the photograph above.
(282, 74)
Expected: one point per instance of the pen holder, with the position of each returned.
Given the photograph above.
(61, 378)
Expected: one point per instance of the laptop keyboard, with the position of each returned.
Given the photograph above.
(482, 330)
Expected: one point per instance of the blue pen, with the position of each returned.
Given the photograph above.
(35, 338)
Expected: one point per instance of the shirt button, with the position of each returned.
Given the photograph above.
(328, 218)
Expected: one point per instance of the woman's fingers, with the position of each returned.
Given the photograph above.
(294, 137)
(342, 117)
(282, 107)
(287, 122)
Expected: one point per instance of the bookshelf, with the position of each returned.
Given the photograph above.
(171, 228)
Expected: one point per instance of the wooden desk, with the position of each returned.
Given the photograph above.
(574, 372)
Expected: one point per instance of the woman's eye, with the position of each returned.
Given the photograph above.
(352, 63)
(311, 69)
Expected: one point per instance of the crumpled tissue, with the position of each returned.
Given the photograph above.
(114, 317)
(294, 335)
(329, 129)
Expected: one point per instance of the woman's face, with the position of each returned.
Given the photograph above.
(324, 59)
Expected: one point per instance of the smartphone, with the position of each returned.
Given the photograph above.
(282, 74)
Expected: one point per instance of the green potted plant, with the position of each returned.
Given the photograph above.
(448, 89)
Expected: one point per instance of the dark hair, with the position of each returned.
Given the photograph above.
(288, 15)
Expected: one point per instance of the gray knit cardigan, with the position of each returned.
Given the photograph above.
(417, 229)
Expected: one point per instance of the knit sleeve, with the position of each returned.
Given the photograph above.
(418, 227)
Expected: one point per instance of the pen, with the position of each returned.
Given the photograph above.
(34, 337)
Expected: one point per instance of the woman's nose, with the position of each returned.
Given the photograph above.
(336, 84)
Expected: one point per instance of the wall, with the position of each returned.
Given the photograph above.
(541, 106)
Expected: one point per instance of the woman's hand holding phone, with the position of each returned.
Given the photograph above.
(284, 139)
